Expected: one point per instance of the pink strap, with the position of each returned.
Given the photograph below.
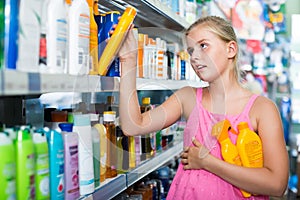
(199, 95)
(250, 103)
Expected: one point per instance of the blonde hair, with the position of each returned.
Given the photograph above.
(223, 29)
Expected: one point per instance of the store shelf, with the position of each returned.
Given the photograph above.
(154, 84)
(151, 13)
(14, 82)
(154, 163)
(112, 187)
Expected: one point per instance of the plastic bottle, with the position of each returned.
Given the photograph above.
(111, 105)
(56, 160)
(7, 168)
(99, 18)
(228, 150)
(110, 19)
(116, 39)
(29, 35)
(93, 40)
(147, 150)
(122, 151)
(103, 149)
(41, 165)
(2, 32)
(249, 146)
(79, 38)
(11, 33)
(82, 125)
(57, 37)
(43, 37)
(131, 150)
(96, 148)
(111, 162)
(24, 148)
(71, 178)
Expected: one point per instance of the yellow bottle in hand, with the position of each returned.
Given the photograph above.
(229, 150)
(116, 39)
(249, 146)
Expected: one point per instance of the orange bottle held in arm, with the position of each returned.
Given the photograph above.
(229, 150)
(116, 40)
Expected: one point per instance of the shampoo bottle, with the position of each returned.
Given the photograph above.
(96, 148)
(249, 146)
(25, 161)
(7, 168)
(116, 39)
(82, 125)
(57, 32)
(79, 38)
(29, 35)
(70, 139)
(11, 33)
(41, 165)
(93, 40)
(56, 163)
(103, 150)
(228, 149)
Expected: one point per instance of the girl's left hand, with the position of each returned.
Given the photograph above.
(194, 157)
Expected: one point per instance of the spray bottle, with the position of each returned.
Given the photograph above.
(7, 168)
(249, 146)
(228, 149)
(41, 165)
(116, 39)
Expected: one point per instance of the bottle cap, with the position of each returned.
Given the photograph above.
(243, 125)
(130, 11)
(109, 116)
(146, 100)
(67, 127)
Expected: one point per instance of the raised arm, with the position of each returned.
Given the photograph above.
(132, 121)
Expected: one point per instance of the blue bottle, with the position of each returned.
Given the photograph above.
(56, 164)
(11, 33)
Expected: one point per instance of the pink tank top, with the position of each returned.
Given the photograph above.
(201, 184)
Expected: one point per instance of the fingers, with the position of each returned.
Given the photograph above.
(196, 142)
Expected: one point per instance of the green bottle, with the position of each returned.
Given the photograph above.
(25, 164)
(7, 168)
(41, 166)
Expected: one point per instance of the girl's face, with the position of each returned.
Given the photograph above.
(208, 53)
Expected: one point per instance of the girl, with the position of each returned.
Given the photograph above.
(203, 174)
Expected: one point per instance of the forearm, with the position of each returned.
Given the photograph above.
(130, 114)
(254, 180)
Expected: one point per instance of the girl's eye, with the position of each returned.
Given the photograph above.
(203, 46)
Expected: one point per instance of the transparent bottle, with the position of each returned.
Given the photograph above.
(111, 161)
(147, 149)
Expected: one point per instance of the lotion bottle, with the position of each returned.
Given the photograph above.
(249, 146)
(228, 149)
(116, 39)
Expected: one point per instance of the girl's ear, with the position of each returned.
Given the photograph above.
(231, 49)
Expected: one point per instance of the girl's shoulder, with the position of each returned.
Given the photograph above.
(263, 107)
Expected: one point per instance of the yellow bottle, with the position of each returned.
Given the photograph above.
(93, 40)
(249, 146)
(103, 150)
(116, 39)
(229, 151)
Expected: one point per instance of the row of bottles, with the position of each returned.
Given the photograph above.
(54, 36)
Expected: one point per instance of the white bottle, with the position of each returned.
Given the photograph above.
(29, 35)
(79, 38)
(57, 35)
(82, 125)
